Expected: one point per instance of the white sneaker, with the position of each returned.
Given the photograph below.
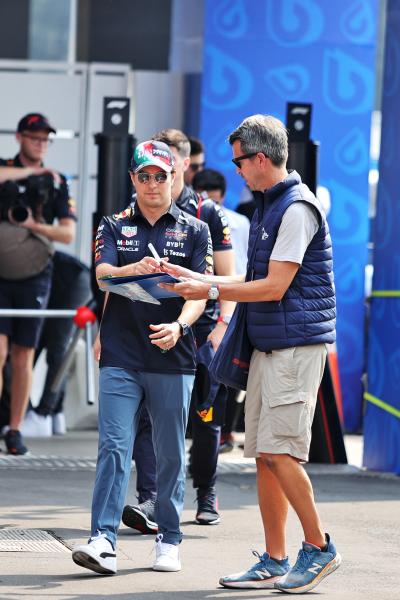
(35, 425)
(59, 425)
(98, 555)
(167, 556)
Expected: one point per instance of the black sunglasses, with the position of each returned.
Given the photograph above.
(236, 161)
(159, 177)
(197, 166)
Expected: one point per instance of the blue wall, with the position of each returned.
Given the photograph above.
(382, 418)
(259, 55)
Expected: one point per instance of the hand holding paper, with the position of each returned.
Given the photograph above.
(190, 289)
(143, 288)
(180, 272)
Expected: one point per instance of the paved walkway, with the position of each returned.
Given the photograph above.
(51, 491)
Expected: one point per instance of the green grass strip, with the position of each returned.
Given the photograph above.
(383, 405)
(386, 294)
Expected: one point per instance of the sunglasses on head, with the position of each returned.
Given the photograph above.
(159, 177)
(197, 166)
(236, 161)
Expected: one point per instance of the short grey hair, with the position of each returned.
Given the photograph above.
(263, 133)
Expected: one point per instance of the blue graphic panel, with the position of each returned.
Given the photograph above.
(382, 429)
(259, 56)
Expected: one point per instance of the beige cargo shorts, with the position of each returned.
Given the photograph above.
(280, 400)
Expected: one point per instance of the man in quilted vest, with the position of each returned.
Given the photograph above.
(289, 299)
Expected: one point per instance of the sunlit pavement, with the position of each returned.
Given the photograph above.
(51, 491)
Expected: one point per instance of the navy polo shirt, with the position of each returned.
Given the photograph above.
(122, 239)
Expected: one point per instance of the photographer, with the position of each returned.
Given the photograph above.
(31, 198)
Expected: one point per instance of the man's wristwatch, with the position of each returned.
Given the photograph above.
(213, 292)
(185, 328)
(224, 319)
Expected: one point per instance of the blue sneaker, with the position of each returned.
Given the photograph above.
(262, 575)
(312, 566)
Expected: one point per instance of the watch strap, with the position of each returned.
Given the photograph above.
(184, 327)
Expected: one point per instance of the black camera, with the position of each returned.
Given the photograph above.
(17, 197)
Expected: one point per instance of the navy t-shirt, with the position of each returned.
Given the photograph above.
(211, 213)
(122, 239)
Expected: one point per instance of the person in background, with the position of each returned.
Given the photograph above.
(214, 184)
(247, 205)
(197, 160)
(70, 288)
(27, 233)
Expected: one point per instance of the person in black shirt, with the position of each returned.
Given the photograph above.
(147, 356)
(25, 257)
(197, 160)
(208, 401)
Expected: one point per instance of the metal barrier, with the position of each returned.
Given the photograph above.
(84, 318)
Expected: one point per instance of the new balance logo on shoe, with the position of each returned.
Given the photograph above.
(263, 574)
(315, 568)
(311, 567)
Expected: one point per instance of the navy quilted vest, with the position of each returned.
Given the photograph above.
(307, 312)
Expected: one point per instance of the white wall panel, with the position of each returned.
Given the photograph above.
(57, 95)
(72, 98)
(158, 102)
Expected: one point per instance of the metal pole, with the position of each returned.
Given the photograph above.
(55, 386)
(72, 31)
(29, 313)
(90, 389)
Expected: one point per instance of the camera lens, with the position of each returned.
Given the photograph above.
(19, 213)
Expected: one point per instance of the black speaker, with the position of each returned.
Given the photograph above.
(304, 158)
(116, 116)
(303, 152)
(298, 121)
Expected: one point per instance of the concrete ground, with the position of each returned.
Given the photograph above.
(51, 491)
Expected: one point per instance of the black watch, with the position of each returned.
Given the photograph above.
(185, 328)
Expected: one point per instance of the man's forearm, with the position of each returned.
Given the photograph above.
(224, 265)
(271, 288)
(64, 233)
(252, 291)
(16, 173)
(191, 311)
(215, 279)
(106, 269)
(226, 307)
